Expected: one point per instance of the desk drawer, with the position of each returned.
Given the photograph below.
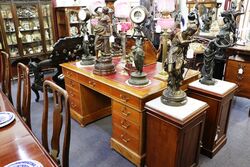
(75, 105)
(72, 84)
(242, 80)
(128, 127)
(126, 98)
(126, 112)
(93, 84)
(73, 94)
(125, 139)
(70, 74)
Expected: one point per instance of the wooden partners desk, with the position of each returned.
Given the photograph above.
(93, 97)
(17, 142)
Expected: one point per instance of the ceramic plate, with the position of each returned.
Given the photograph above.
(25, 163)
(6, 117)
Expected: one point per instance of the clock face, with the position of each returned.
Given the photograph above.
(84, 14)
(138, 14)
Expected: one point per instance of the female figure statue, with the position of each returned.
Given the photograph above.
(102, 31)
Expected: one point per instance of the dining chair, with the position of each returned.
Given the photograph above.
(60, 96)
(6, 75)
(23, 93)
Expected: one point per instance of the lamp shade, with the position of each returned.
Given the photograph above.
(166, 23)
(93, 4)
(122, 8)
(165, 5)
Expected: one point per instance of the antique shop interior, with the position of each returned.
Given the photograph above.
(123, 83)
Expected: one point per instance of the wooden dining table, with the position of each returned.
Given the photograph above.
(17, 142)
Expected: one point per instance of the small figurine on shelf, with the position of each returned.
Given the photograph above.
(175, 62)
(87, 57)
(138, 15)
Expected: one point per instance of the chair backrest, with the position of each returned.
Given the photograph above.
(6, 75)
(58, 95)
(23, 93)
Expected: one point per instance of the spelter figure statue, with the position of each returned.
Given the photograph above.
(174, 65)
(207, 20)
(138, 55)
(87, 57)
(216, 47)
(102, 31)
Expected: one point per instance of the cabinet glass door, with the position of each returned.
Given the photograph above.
(29, 29)
(47, 22)
(9, 28)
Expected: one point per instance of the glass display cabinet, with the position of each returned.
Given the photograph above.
(26, 28)
(68, 23)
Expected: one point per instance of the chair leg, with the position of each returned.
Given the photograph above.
(36, 92)
(249, 113)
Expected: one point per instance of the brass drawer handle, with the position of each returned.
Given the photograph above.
(92, 83)
(126, 114)
(71, 83)
(124, 98)
(125, 124)
(71, 93)
(72, 105)
(123, 139)
(69, 73)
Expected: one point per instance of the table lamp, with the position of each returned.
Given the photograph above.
(165, 25)
(122, 24)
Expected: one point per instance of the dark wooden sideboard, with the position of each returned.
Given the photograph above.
(238, 69)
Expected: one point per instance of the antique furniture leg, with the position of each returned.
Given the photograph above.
(36, 92)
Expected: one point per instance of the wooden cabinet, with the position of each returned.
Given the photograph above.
(219, 98)
(27, 28)
(238, 71)
(173, 141)
(68, 23)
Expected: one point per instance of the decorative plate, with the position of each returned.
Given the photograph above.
(6, 118)
(25, 163)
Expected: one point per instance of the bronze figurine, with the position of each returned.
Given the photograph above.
(175, 62)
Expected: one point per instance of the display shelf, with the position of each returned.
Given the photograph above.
(31, 20)
(30, 30)
(32, 42)
(67, 17)
(28, 17)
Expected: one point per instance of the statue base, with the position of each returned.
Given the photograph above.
(207, 81)
(171, 98)
(87, 61)
(104, 66)
(137, 78)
